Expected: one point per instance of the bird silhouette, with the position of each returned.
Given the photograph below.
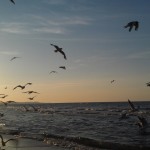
(53, 72)
(63, 67)
(112, 81)
(132, 24)
(31, 98)
(12, 1)
(4, 142)
(22, 86)
(142, 122)
(4, 96)
(14, 58)
(6, 103)
(132, 106)
(30, 92)
(58, 49)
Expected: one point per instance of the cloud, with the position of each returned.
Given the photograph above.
(140, 55)
(13, 27)
(9, 53)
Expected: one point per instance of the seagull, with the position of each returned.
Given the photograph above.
(4, 142)
(12, 1)
(35, 109)
(4, 96)
(6, 103)
(63, 67)
(132, 106)
(148, 84)
(14, 58)
(58, 49)
(26, 109)
(143, 122)
(53, 72)
(132, 24)
(22, 86)
(30, 92)
(112, 81)
(31, 98)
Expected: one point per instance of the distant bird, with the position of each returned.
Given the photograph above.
(6, 87)
(4, 142)
(35, 109)
(12, 1)
(22, 86)
(30, 92)
(132, 106)
(148, 84)
(53, 72)
(14, 58)
(132, 24)
(58, 49)
(4, 96)
(63, 67)
(6, 103)
(112, 81)
(31, 98)
(142, 122)
(26, 109)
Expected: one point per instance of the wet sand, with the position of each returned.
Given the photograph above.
(27, 144)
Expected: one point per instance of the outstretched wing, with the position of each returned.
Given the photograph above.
(17, 87)
(131, 105)
(12, 1)
(62, 52)
(55, 46)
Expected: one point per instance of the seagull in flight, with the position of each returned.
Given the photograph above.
(12, 1)
(132, 106)
(4, 142)
(58, 49)
(112, 81)
(30, 92)
(132, 24)
(13, 58)
(4, 96)
(63, 67)
(53, 72)
(31, 98)
(22, 86)
(6, 103)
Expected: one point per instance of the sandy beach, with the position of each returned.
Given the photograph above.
(27, 144)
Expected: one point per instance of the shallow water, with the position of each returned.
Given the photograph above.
(90, 124)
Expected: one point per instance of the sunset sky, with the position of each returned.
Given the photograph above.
(98, 49)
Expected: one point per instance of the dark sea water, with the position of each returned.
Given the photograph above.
(91, 125)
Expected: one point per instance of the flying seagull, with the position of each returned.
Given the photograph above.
(12, 1)
(132, 106)
(58, 49)
(4, 142)
(112, 81)
(53, 72)
(4, 96)
(31, 98)
(30, 92)
(6, 103)
(132, 24)
(63, 67)
(21, 86)
(13, 58)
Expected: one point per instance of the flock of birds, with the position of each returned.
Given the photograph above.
(143, 124)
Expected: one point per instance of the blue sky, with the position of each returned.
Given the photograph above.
(91, 33)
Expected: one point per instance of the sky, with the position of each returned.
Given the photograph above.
(98, 48)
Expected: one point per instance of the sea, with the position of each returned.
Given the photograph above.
(79, 126)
